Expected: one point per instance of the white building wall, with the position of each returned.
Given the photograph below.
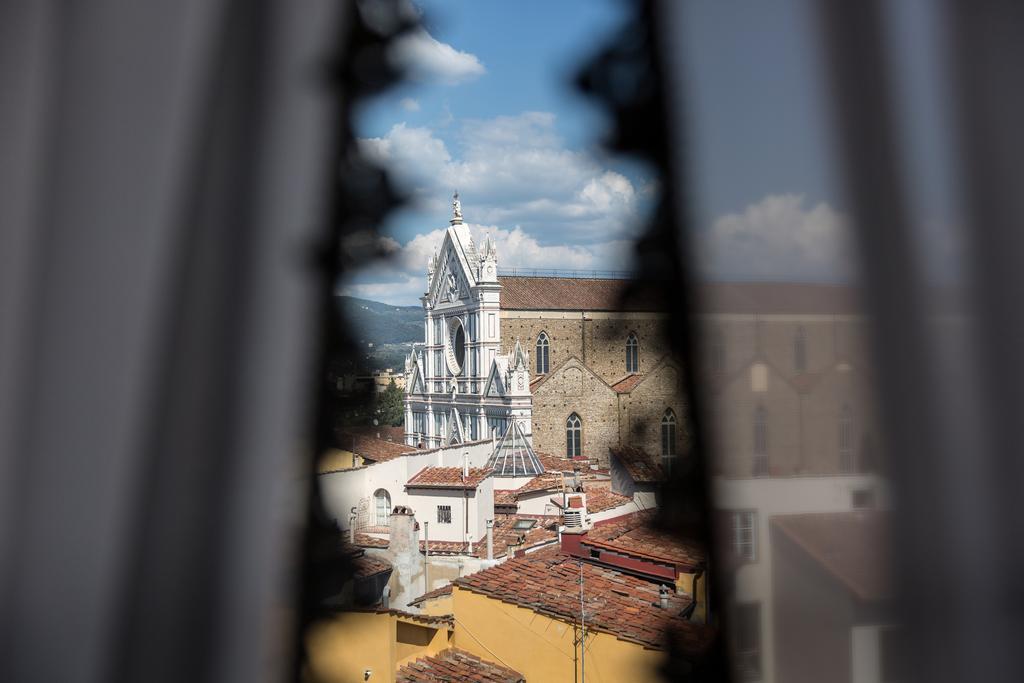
(783, 496)
(345, 489)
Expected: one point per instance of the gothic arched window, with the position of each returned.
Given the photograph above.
(543, 346)
(668, 439)
(632, 354)
(800, 350)
(573, 436)
(381, 508)
(760, 442)
(846, 440)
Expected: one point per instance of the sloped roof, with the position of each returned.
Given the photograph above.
(627, 383)
(850, 546)
(431, 595)
(562, 294)
(633, 534)
(601, 498)
(588, 294)
(543, 532)
(455, 665)
(640, 466)
(372, 448)
(514, 456)
(448, 478)
(547, 582)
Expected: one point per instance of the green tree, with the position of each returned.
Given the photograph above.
(389, 405)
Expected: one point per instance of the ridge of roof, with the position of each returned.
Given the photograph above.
(453, 664)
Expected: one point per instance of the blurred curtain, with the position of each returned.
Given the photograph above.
(161, 189)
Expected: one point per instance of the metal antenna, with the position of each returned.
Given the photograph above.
(583, 636)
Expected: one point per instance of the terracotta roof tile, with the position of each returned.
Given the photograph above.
(547, 582)
(456, 665)
(635, 535)
(640, 466)
(542, 482)
(448, 477)
(601, 498)
(627, 383)
(848, 545)
(544, 531)
(505, 497)
(367, 541)
(372, 448)
(431, 595)
(567, 294)
(555, 463)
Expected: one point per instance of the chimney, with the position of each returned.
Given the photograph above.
(465, 466)
(352, 526)
(663, 593)
(490, 539)
(385, 597)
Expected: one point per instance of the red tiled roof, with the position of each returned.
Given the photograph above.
(448, 478)
(430, 595)
(368, 565)
(567, 294)
(848, 545)
(505, 497)
(383, 432)
(456, 665)
(372, 448)
(601, 498)
(634, 535)
(434, 620)
(555, 463)
(640, 466)
(547, 582)
(504, 534)
(367, 541)
(627, 383)
(542, 482)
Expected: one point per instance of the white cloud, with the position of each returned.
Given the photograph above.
(513, 170)
(409, 104)
(778, 238)
(402, 280)
(428, 60)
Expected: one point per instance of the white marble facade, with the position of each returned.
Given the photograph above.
(459, 388)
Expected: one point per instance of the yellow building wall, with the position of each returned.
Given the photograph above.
(415, 641)
(437, 607)
(541, 648)
(335, 459)
(341, 648)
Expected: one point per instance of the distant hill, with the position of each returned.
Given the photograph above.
(379, 324)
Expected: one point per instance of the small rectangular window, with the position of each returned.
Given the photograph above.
(744, 535)
(863, 499)
(444, 514)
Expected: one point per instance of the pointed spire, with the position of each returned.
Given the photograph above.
(519, 356)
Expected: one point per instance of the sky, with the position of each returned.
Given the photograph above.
(490, 111)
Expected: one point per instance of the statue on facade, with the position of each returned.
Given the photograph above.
(456, 207)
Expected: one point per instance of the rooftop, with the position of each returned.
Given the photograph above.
(441, 592)
(372, 448)
(634, 535)
(456, 665)
(640, 465)
(627, 383)
(547, 582)
(542, 531)
(849, 546)
(601, 498)
(565, 294)
(448, 478)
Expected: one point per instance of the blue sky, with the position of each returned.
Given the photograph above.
(490, 111)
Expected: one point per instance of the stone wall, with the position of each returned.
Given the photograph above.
(574, 388)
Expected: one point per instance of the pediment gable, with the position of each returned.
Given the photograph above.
(452, 271)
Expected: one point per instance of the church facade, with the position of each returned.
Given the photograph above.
(556, 359)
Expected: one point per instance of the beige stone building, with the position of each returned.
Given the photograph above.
(602, 375)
